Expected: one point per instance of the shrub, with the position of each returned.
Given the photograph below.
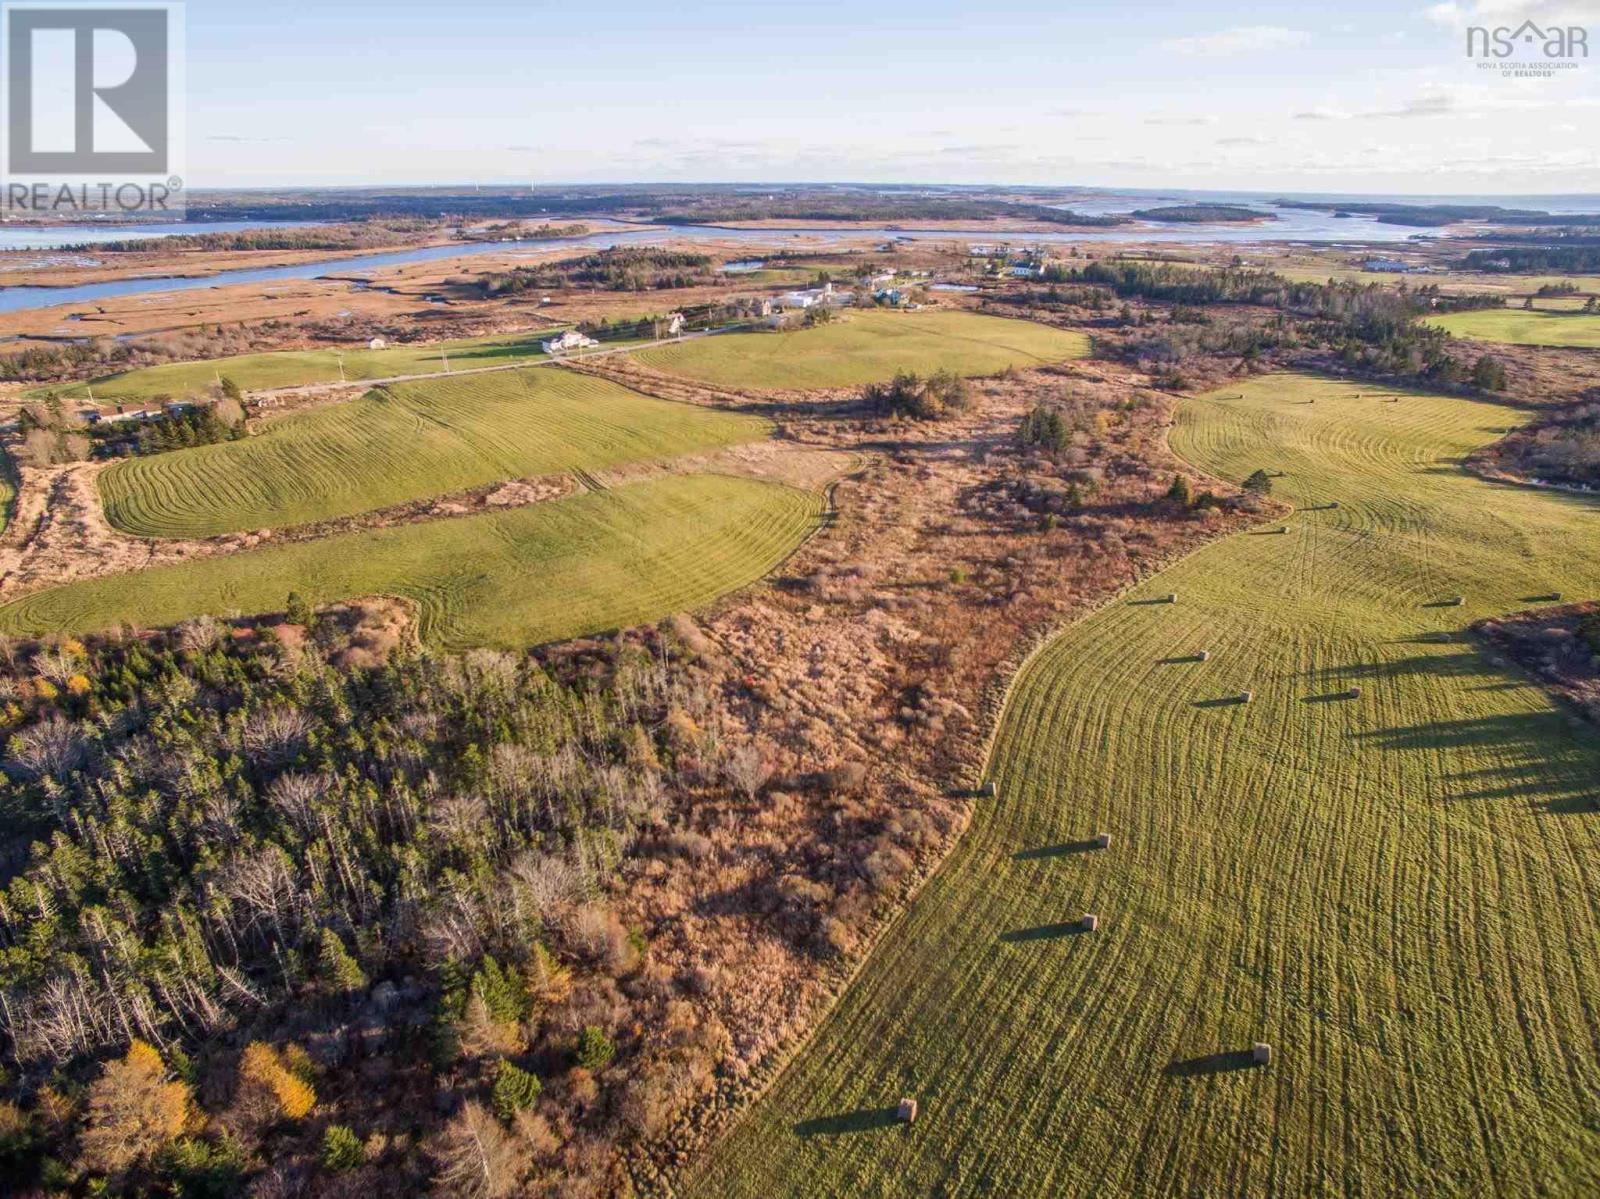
(196, 1169)
(341, 1149)
(1046, 429)
(908, 394)
(595, 1049)
(265, 1066)
(1181, 493)
(1489, 374)
(515, 1090)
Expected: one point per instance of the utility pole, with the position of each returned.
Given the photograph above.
(445, 354)
(339, 354)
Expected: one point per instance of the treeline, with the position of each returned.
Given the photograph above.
(1431, 215)
(396, 872)
(174, 428)
(1200, 213)
(1533, 260)
(1368, 326)
(621, 268)
(356, 236)
(872, 208)
(39, 363)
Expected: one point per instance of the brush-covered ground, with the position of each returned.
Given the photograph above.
(1394, 889)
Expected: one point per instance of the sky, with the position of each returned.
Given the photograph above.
(1354, 97)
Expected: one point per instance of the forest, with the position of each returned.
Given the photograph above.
(279, 871)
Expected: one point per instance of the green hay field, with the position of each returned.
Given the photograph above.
(295, 368)
(1398, 892)
(522, 577)
(406, 442)
(867, 347)
(1522, 327)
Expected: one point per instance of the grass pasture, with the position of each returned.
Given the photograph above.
(867, 347)
(1524, 327)
(517, 578)
(405, 442)
(296, 368)
(1396, 891)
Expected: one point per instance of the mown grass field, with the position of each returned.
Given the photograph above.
(867, 347)
(517, 578)
(404, 442)
(295, 368)
(1524, 327)
(1398, 892)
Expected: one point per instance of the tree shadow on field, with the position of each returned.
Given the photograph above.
(1534, 758)
(866, 1119)
(1453, 665)
(1528, 735)
(1222, 701)
(1044, 932)
(1055, 851)
(1211, 1063)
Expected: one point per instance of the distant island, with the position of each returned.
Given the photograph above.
(1430, 216)
(1203, 214)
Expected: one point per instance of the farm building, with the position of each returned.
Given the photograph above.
(570, 340)
(377, 343)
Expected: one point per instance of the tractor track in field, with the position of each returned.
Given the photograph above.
(1390, 884)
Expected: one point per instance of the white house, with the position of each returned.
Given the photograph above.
(795, 299)
(377, 343)
(570, 340)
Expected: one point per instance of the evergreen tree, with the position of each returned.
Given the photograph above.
(336, 966)
(515, 1090)
(595, 1049)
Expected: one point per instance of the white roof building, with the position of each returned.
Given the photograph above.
(570, 340)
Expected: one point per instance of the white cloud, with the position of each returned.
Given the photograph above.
(1246, 39)
(1457, 14)
(1180, 120)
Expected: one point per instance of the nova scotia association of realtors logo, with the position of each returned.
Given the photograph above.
(1528, 51)
(92, 120)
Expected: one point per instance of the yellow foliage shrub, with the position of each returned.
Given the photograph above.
(78, 685)
(264, 1065)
